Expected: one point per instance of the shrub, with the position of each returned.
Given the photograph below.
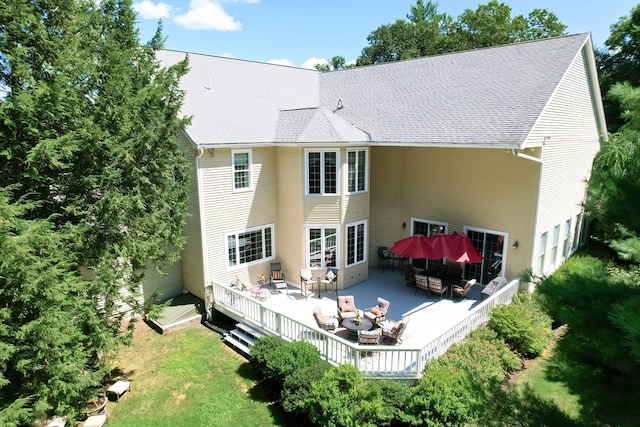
(522, 324)
(296, 390)
(456, 387)
(275, 359)
(343, 398)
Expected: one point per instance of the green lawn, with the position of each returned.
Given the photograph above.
(188, 377)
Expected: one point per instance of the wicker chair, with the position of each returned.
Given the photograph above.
(436, 286)
(422, 283)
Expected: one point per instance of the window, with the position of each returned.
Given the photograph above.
(241, 170)
(322, 244)
(492, 246)
(356, 171)
(428, 228)
(543, 251)
(576, 233)
(356, 243)
(249, 246)
(567, 239)
(554, 245)
(322, 172)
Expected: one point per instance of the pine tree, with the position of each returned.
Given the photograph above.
(96, 185)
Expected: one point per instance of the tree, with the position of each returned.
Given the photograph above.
(428, 32)
(620, 63)
(97, 183)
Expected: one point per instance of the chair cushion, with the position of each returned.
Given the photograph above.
(376, 311)
(305, 274)
(275, 275)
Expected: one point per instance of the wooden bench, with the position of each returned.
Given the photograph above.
(118, 388)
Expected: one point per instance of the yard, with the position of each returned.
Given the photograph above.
(188, 378)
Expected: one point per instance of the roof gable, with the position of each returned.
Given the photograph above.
(316, 125)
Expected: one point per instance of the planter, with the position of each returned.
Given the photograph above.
(98, 406)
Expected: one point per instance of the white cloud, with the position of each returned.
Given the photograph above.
(207, 15)
(311, 62)
(149, 10)
(281, 62)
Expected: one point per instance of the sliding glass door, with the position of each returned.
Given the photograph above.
(491, 245)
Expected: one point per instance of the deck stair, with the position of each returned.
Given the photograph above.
(242, 338)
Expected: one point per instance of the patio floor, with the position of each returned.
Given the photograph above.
(430, 316)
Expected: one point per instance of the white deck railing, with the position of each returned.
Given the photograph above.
(372, 361)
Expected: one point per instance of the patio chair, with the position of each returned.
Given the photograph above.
(247, 286)
(385, 258)
(378, 313)
(277, 277)
(461, 290)
(392, 332)
(436, 286)
(422, 283)
(328, 323)
(330, 280)
(409, 275)
(369, 337)
(346, 307)
(306, 279)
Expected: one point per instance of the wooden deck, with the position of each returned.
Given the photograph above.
(435, 324)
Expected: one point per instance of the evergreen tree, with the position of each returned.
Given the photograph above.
(95, 181)
(428, 32)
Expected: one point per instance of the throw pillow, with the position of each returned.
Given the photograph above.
(375, 311)
(306, 275)
(345, 308)
(330, 275)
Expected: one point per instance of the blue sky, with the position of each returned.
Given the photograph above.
(303, 32)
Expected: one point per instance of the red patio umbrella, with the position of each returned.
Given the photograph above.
(457, 247)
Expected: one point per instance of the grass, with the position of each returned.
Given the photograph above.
(584, 393)
(188, 377)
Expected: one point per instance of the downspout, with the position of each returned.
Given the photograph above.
(203, 228)
(525, 156)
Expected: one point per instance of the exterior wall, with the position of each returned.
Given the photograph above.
(483, 188)
(167, 285)
(568, 132)
(226, 211)
(191, 261)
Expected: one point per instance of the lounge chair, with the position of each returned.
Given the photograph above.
(378, 313)
(461, 290)
(328, 323)
(392, 332)
(346, 307)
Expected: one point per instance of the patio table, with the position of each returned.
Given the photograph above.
(353, 328)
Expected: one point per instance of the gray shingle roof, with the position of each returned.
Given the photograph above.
(484, 97)
(315, 125)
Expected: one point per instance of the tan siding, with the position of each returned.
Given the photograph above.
(568, 129)
(192, 263)
(167, 285)
(488, 189)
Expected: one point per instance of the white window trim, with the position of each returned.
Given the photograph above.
(322, 178)
(248, 230)
(542, 252)
(505, 243)
(346, 243)
(308, 252)
(366, 170)
(430, 222)
(555, 244)
(233, 171)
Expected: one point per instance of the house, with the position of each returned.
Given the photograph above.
(318, 169)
